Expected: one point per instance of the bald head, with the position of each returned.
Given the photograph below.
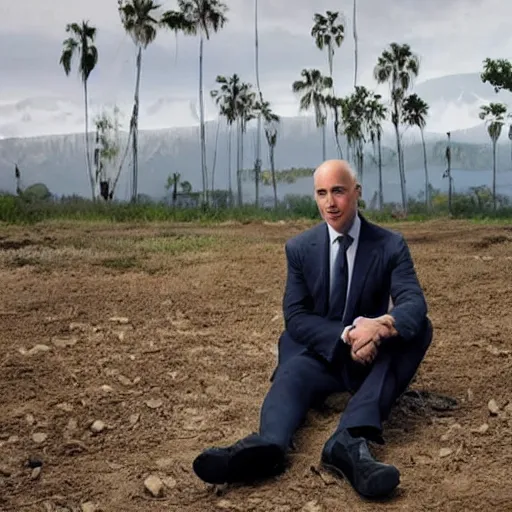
(338, 168)
(336, 193)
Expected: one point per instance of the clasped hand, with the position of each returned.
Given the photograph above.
(366, 336)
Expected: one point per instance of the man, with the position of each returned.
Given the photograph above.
(339, 337)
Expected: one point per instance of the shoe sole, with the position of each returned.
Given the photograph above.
(391, 481)
(245, 466)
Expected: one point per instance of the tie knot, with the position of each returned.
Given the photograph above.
(345, 241)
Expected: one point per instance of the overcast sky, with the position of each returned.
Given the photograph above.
(450, 36)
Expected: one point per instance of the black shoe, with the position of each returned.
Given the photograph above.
(249, 459)
(350, 457)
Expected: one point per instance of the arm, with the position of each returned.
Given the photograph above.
(410, 307)
(316, 332)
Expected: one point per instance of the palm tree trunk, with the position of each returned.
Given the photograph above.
(238, 170)
(135, 121)
(400, 163)
(354, 25)
(494, 174)
(87, 151)
(230, 186)
(257, 166)
(201, 121)
(273, 171)
(323, 142)
(215, 154)
(381, 192)
(427, 182)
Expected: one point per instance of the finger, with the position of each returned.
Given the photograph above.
(361, 344)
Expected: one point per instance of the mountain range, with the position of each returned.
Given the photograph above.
(43, 136)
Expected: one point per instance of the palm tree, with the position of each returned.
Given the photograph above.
(328, 33)
(271, 121)
(200, 17)
(398, 65)
(494, 116)
(313, 88)
(415, 113)
(139, 23)
(376, 114)
(81, 41)
(226, 98)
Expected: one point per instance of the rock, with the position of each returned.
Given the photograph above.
(445, 452)
(63, 342)
(29, 418)
(64, 407)
(72, 425)
(12, 439)
(89, 506)
(36, 473)
(450, 434)
(125, 381)
(169, 482)
(470, 395)
(97, 427)
(482, 429)
(37, 349)
(5, 471)
(134, 418)
(154, 486)
(119, 320)
(136, 380)
(106, 388)
(493, 407)
(154, 403)
(311, 506)
(508, 408)
(226, 505)
(39, 437)
(495, 351)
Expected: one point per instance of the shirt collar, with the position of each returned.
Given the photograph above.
(353, 231)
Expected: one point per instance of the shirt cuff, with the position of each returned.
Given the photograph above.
(344, 334)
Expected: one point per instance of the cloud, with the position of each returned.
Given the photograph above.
(451, 36)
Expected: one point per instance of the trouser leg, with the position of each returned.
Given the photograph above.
(380, 386)
(296, 386)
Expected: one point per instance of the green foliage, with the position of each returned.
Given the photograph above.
(498, 72)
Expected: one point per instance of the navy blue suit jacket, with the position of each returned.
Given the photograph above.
(382, 268)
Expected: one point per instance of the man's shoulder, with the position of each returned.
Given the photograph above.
(307, 237)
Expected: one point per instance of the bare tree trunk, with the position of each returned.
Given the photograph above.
(354, 26)
(135, 131)
(87, 150)
(381, 192)
(427, 181)
(323, 142)
(204, 170)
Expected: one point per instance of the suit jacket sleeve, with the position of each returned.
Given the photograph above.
(410, 307)
(306, 327)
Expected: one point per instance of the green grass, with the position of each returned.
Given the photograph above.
(14, 210)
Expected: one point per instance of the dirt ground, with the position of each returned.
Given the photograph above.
(126, 350)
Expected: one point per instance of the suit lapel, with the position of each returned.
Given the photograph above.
(365, 256)
(322, 258)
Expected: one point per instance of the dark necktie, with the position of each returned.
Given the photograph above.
(340, 279)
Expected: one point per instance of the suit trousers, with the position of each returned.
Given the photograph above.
(306, 380)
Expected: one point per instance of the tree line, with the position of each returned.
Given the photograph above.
(359, 116)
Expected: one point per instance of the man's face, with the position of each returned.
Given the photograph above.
(336, 195)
